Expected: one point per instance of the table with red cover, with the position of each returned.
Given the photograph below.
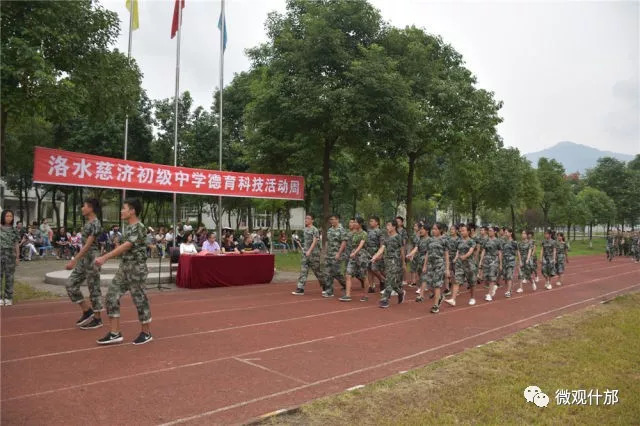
(224, 270)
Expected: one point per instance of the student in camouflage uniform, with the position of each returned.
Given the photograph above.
(416, 267)
(336, 244)
(548, 253)
(509, 254)
(131, 275)
(524, 262)
(359, 260)
(393, 251)
(405, 239)
(635, 246)
(491, 262)
(436, 264)
(562, 256)
(481, 238)
(9, 256)
(375, 238)
(611, 240)
(417, 256)
(533, 267)
(465, 267)
(452, 246)
(83, 265)
(310, 256)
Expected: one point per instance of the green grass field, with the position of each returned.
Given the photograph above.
(596, 348)
(288, 262)
(22, 292)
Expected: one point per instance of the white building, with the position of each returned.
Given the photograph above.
(261, 219)
(10, 200)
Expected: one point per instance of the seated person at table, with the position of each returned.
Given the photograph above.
(187, 247)
(211, 245)
(228, 246)
(248, 246)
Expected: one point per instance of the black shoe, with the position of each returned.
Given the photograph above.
(364, 299)
(110, 339)
(372, 289)
(432, 295)
(447, 293)
(85, 318)
(419, 299)
(143, 338)
(435, 309)
(401, 295)
(298, 292)
(384, 303)
(95, 323)
(440, 299)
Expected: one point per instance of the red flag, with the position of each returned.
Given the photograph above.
(176, 18)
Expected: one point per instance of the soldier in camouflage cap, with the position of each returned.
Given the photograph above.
(491, 262)
(9, 256)
(336, 244)
(83, 265)
(131, 275)
(310, 256)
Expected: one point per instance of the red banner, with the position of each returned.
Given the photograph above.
(57, 167)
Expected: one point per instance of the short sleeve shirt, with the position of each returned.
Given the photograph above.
(509, 250)
(8, 237)
(436, 248)
(92, 228)
(136, 235)
(310, 232)
(492, 247)
(547, 248)
(335, 237)
(463, 246)
(393, 246)
(375, 239)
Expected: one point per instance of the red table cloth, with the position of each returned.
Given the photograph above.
(224, 270)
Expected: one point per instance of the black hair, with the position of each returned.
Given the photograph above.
(210, 233)
(3, 219)
(376, 218)
(472, 226)
(187, 235)
(336, 215)
(560, 234)
(95, 205)
(401, 218)
(394, 223)
(134, 204)
(485, 227)
(496, 229)
(360, 221)
(310, 215)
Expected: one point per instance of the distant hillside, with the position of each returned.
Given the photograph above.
(575, 157)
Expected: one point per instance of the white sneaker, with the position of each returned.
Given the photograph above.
(533, 286)
(493, 290)
(537, 279)
(488, 298)
(472, 301)
(1, 302)
(559, 283)
(418, 291)
(520, 290)
(548, 286)
(450, 301)
(524, 281)
(394, 293)
(8, 302)
(404, 283)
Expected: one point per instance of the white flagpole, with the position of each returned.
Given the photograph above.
(222, 30)
(175, 121)
(126, 120)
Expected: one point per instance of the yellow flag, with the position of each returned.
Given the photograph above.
(136, 24)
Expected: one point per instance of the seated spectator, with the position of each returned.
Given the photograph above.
(248, 246)
(150, 241)
(103, 239)
(27, 245)
(228, 245)
(282, 241)
(211, 245)
(168, 237)
(160, 242)
(187, 247)
(62, 244)
(76, 242)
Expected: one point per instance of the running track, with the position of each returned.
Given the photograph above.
(228, 355)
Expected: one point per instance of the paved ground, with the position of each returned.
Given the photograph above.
(227, 355)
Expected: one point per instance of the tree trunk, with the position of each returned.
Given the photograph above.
(250, 218)
(474, 208)
(513, 219)
(326, 189)
(75, 208)
(66, 208)
(55, 207)
(20, 201)
(26, 197)
(409, 200)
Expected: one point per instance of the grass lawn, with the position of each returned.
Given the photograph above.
(22, 292)
(581, 247)
(596, 348)
(288, 262)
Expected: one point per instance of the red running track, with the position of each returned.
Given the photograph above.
(228, 355)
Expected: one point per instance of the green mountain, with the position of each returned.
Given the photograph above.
(575, 157)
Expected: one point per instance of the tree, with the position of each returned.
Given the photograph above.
(618, 182)
(54, 55)
(554, 191)
(599, 207)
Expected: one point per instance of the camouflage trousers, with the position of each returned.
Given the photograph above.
(465, 272)
(376, 266)
(313, 263)
(525, 271)
(7, 271)
(636, 252)
(416, 264)
(548, 267)
(610, 253)
(560, 263)
(86, 270)
(490, 268)
(130, 277)
(358, 266)
(333, 271)
(508, 268)
(435, 274)
(393, 277)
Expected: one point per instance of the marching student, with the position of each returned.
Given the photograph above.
(417, 256)
(635, 246)
(524, 261)
(131, 275)
(393, 251)
(452, 246)
(610, 249)
(84, 268)
(375, 238)
(491, 262)
(9, 255)
(562, 256)
(533, 267)
(509, 253)
(359, 259)
(548, 253)
(465, 267)
(416, 267)
(481, 238)
(405, 239)
(310, 256)
(336, 243)
(436, 264)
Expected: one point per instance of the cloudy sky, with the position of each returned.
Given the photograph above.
(566, 70)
